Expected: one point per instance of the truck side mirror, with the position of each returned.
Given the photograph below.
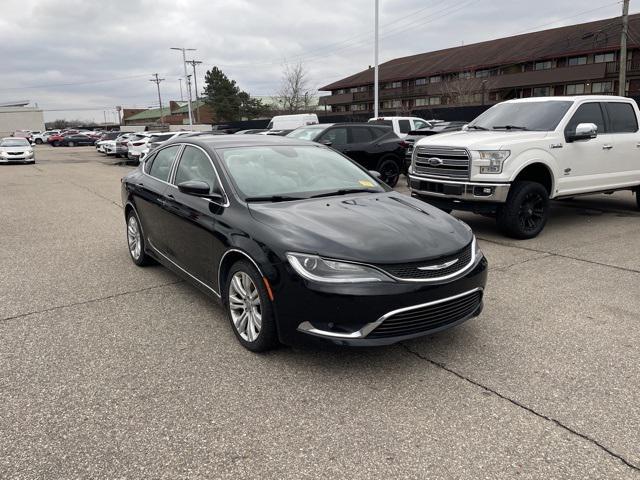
(584, 131)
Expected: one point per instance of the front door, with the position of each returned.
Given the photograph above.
(192, 229)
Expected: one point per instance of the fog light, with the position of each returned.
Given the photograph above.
(482, 191)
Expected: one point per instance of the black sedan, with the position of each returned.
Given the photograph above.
(375, 147)
(300, 243)
(77, 140)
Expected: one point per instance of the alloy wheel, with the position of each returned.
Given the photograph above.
(390, 173)
(245, 307)
(134, 238)
(531, 212)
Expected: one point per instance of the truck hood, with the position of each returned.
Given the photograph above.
(481, 140)
(376, 228)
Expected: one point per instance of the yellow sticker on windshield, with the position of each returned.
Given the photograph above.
(366, 183)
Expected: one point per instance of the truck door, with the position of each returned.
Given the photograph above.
(622, 137)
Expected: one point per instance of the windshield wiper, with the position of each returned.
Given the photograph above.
(509, 127)
(346, 191)
(477, 127)
(273, 198)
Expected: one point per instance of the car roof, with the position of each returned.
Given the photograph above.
(248, 140)
(570, 98)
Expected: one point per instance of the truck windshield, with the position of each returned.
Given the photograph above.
(538, 116)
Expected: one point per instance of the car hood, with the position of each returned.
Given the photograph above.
(374, 228)
(481, 140)
(24, 148)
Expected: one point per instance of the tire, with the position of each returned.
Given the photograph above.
(257, 330)
(526, 211)
(135, 241)
(118, 155)
(71, 144)
(38, 141)
(637, 190)
(56, 143)
(389, 171)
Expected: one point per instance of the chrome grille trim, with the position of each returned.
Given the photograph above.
(456, 162)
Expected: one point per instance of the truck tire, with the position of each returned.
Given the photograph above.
(637, 191)
(525, 212)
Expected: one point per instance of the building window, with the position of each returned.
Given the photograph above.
(341, 91)
(470, 98)
(573, 61)
(604, 57)
(465, 75)
(358, 106)
(546, 65)
(392, 104)
(482, 73)
(574, 89)
(421, 102)
(602, 87)
(434, 100)
(421, 81)
(392, 85)
(435, 79)
(340, 108)
(542, 92)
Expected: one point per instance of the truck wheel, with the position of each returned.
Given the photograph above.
(638, 197)
(525, 213)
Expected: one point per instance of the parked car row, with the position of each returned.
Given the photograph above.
(135, 146)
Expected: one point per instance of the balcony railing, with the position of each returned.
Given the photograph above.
(633, 65)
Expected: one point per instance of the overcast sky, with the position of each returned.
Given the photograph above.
(69, 56)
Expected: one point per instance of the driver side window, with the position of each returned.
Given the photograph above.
(337, 136)
(195, 165)
(587, 113)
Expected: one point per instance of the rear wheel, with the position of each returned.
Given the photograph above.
(525, 213)
(56, 143)
(71, 144)
(249, 308)
(38, 141)
(389, 171)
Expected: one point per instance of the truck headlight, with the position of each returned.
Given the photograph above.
(318, 269)
(491, 160)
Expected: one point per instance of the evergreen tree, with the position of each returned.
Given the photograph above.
(227, 100)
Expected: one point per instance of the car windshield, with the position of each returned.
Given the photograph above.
(540, 116)
(293, 171)
(14, 142)
(307, 133)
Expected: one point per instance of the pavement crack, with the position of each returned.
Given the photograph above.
(532, 259)
(86, 302)
(95, 193)
(554, 254)
(523, 407)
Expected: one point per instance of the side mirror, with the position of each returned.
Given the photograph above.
(375, 174)
(195, 187)
(328, 143)
(584, 131)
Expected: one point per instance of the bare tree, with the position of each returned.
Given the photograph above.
(294, 94)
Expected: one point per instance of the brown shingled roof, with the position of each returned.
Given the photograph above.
(601, 35)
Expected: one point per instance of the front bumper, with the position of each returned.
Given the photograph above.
(457, 190)
(364, 315)
(18, 159)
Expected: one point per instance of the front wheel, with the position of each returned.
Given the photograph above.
(56, 143)
(525, 213)
(637, 191)
(249, 308)
(38, 141)
(389, 171)
(135, 241)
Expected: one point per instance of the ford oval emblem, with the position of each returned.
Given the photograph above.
(434, 161)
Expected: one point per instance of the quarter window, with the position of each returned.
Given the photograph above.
(587, 113)
(161, 166)
(195, 165)
(622, 117)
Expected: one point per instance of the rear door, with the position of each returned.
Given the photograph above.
(622, 136)
(149, 194)
(362, 147)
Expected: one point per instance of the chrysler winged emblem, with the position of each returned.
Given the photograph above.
(440, 266)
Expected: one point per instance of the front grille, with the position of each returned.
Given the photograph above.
(15, 153)
(429, 317)
(454, 162)
(410, 271)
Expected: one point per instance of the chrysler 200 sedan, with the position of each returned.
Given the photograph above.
(299, 243)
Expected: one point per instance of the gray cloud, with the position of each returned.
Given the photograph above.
(110, 48)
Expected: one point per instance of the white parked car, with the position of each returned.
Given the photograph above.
(159, 138)
(281, 124)
(517, 155)
(403, 125)
(16, 149)
(40, 138)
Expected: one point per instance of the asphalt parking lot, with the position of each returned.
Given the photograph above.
(108, 370)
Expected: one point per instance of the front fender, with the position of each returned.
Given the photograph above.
(533, 156)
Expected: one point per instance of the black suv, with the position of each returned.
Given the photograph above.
(375, 147)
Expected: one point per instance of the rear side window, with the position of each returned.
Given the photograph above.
(361, 135)
(161, 166)
(587, 113)
(404, 125)
(622, 117)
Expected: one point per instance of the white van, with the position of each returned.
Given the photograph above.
(403, 125)
(291, 122)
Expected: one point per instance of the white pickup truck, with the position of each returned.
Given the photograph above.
(520, 153)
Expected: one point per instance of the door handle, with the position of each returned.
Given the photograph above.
(607, 147)
(170, 196)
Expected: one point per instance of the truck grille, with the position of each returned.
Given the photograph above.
(429, 317)
(448, 162)
(411, 271)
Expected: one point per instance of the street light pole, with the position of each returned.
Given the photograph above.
(184, 64)
(375, 71)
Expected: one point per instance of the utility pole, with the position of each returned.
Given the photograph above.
(622, 80)
(189, 97)
(181, 97)
(157, 81)
(375, 71)
(195, 84)
(184, 64)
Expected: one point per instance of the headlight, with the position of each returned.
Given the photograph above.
(492, 160)
(318, 269)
